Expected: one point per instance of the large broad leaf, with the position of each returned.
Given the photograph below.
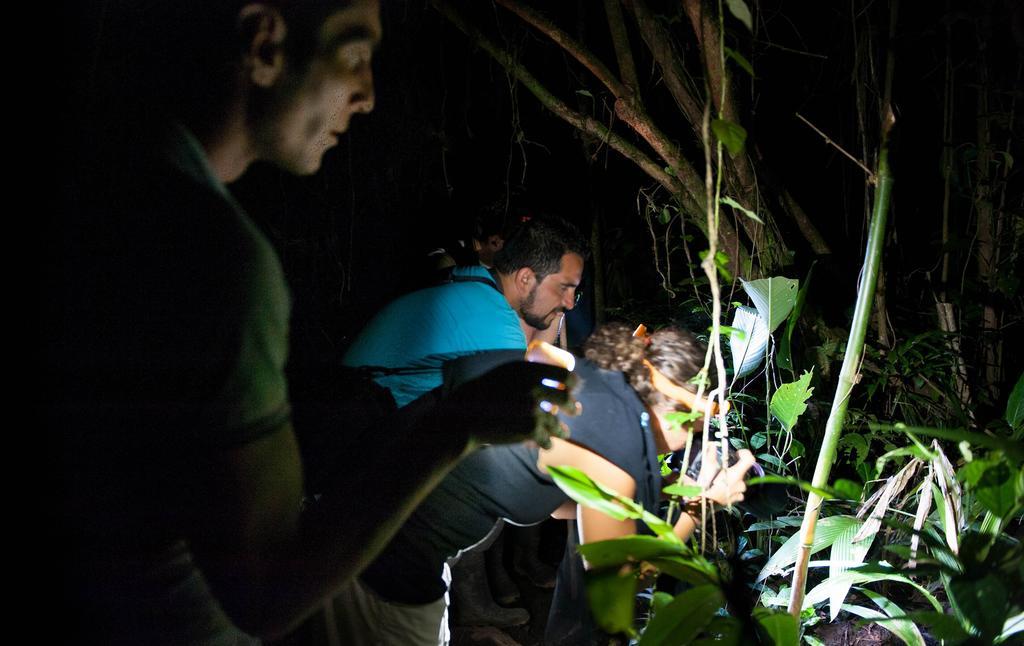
(773, 297)
(629, 549)
(897, 624)
(784, 354)
(780, 628)
(741, 11)
(983, 602)
(845, 554)
(790, 401)
(611, 594)
(1013, 625)
(695, 570)
(578, 486)
(941, 625)
(826, 531)
(683, 619)
(1015, 408)
(581, 488)
(721, 631)
(732, 135)
(740, 60)
(869, 613)
(867, 574)
(1013, 448)
(748, 341)
(997, 489)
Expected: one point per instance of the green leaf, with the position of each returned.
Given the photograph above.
(659, 600)
(789, 402)
(940, 625)
(971, 472)
(679, 419)
(844, 555)
(758, 440)
(997, 489)
(1015, 407)
(748, 342)
(848, 489)
(1013, 448)
(1012, 626)
(797, 449)
(741, 12)
(721, 631)
(897, 624)
(665, 217)
(982, 602)
(740, 60)
(778, 523)
(826, 531)
(736, 205)
(694, 570)
(875, 617)
(865, 574)
(683, 491)
(578, 486)
(784, 355)
(855, 443)
(773, 297)
(780, 628)
(628, 549)
(585, 93)
(825, 492)
(721, 263)
(611, 594)
(683, 619)
(732, 135)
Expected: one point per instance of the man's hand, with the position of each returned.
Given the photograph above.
(514, 402)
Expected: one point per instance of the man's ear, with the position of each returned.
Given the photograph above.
(262, 32)
(524, 280)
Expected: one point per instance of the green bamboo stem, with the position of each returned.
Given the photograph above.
(850, 373)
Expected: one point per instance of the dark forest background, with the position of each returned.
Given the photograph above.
(454, 137)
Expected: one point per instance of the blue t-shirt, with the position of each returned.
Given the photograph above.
(420, 331)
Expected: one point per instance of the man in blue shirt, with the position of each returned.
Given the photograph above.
(534, 280)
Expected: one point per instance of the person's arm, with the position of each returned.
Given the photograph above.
(721, 486)
(270, 565)
(594, 525)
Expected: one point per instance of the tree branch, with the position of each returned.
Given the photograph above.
(580, 121)
(672, 72)
(628, 107)
(623, 53)
(566, 42)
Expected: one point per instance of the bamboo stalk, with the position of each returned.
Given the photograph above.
(850, 372)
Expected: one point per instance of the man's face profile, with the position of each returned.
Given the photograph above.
(311, 106)
(555, 294)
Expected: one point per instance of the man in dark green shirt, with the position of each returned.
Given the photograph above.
(182, 482)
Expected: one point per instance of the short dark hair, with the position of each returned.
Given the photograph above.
(539, 243)
(178, 58)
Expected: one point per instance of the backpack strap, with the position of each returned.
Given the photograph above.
(451, 277)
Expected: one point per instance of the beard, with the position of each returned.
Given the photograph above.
(534, 320)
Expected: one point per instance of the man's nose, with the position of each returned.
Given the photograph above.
(569, 299)
(362, 100)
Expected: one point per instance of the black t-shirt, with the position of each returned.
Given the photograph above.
(503, 482)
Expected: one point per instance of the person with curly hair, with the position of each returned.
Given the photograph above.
(627, 387)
